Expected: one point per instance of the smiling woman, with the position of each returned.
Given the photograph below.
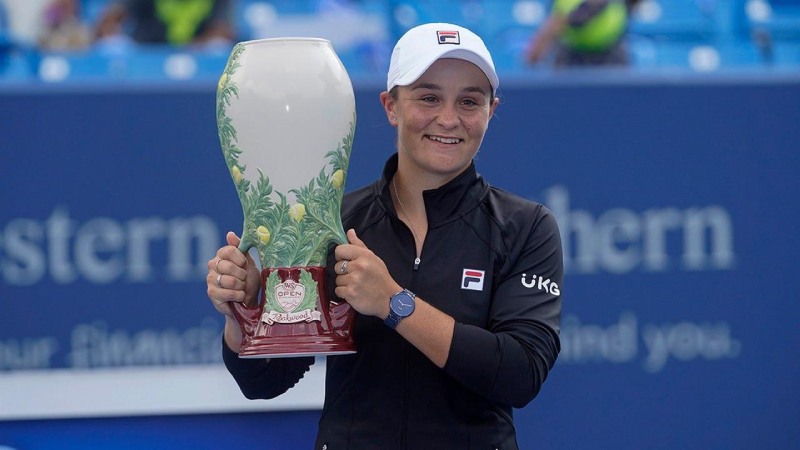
(434, 255)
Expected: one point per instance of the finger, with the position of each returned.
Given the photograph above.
(353, 239)
(232, 254)
(219, 297)
(232, 239)
(224, 288)
(229, 282)
(344, 267)
(342, 252)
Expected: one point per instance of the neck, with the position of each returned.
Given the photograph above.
(411, 210)
(413, 180)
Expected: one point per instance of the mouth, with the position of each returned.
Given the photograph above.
(444, 140)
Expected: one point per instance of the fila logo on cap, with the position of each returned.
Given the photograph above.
(448, 37)
(472, 279)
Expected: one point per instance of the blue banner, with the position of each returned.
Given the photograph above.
(675, 199)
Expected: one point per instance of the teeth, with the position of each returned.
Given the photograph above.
(445, 140)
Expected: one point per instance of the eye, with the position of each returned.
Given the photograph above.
(429, 98)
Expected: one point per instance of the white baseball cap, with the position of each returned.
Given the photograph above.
(422, 45)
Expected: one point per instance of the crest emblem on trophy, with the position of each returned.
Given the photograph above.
(286, 121)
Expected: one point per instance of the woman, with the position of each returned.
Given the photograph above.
(456, 283)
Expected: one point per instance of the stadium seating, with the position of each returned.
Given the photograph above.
(695, 35)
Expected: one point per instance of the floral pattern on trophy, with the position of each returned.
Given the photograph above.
(293, 265)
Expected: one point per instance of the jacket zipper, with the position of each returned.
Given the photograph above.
(418, 258)
(406, 357)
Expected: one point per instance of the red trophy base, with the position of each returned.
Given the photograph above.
(295, 318)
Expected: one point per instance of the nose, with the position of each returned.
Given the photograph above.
(448, 116)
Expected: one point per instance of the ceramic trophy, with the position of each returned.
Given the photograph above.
(286, 120)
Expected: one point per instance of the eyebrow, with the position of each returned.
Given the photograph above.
(436, 87)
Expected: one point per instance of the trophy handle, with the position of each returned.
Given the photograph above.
(245, 240)
(246, 316)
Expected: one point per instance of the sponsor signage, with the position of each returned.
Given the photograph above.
(677, 226)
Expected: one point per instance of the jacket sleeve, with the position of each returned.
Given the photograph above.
(259, 378)
(509, 361)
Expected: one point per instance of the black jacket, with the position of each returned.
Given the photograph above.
(388, 395)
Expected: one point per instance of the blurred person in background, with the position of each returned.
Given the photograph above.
(63, 27)
(443, 352)
(200, 23)
(583, 33)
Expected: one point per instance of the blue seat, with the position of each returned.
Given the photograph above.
(152, 63)
(780, 19)
(168, 64)
(80, 66)
(699, 56)
(253, 18)
(677, 19)
(508, 28)
(16, 67)
(508, 47)
(500, 16)
(467, 13)
(786, 54)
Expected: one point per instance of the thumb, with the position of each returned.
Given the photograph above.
(232, 239)
(353, 239)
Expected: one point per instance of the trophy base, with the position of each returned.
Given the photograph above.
(295, 318)
(296, 346)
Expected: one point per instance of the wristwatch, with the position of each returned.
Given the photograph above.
(401, 305)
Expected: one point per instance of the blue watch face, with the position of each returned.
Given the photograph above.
(402, 304)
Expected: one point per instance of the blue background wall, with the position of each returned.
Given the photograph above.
(676, 199)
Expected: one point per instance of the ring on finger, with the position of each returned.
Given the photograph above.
(219, 280)
(344, 266)
(216, 266)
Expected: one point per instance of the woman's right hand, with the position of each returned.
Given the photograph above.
(232, 277)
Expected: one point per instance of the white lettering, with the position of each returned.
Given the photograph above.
(27, 354)
(617, 234)
(103, 250)
(621, 240)
(585, 343)
(94, 345)
(619, 342)
(96, 239)
(24, 264)
(544, 284)
(657, 222)
(185, 264)
(687, 341)
(529, 284)
(59, 230)
(717, 222)
(141, 232)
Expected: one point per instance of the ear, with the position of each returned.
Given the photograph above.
(389, 105)
(493, 106)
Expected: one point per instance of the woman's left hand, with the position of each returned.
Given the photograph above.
(362, 278)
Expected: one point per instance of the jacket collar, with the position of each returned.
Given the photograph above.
(448, 202)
